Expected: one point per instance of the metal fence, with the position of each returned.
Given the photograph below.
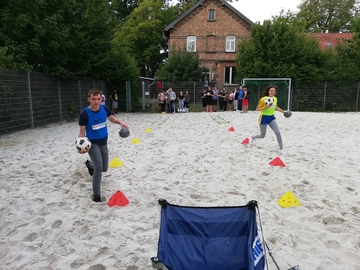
(320, 97)
(32, 99)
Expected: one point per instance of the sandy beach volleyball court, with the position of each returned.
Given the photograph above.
(48, 220)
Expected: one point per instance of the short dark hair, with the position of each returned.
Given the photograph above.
(94, 91)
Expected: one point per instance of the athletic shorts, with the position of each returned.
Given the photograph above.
(245, 102)
(266, 119)
(230, 101)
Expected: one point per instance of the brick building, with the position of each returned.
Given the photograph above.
(213, 29)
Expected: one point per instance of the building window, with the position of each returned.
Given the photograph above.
(212, 15)
(230, 44)
(230, 73)
(191, 44)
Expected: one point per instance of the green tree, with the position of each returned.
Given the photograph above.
(327, 16)
(182, 66)
(277, 50)
(141, 34)
(92, 31)
(349, 55)
(57, 37)
(123, 8)
(25, 27)
(120, 67)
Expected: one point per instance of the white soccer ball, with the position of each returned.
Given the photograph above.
(82, 144)
(269, 101)
(208, 94)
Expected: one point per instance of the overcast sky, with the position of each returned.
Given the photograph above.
(260, 10)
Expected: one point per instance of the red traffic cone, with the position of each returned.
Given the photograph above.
(246, 141)
(118, 199)
(231, 129)
(277, 162)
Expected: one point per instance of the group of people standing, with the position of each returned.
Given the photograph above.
(233, 100)
(166, 101)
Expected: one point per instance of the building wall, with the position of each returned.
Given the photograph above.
(211, 36)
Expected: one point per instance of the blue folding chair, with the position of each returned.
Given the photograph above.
(209, 238)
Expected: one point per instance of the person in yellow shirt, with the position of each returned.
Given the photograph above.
(267, 117)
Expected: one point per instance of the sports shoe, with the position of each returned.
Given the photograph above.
(251, 140)
(282, 151)
(96, 199)
(91, 170)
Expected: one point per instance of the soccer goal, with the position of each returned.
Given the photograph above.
(257, 86)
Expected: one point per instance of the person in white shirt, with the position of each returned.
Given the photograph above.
(103, 99)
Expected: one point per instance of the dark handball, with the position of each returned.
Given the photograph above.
(287, 114)
(124, 132)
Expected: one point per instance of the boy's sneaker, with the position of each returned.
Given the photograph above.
(282, 151)
(91, 170)
(96, 199)
(251, 140)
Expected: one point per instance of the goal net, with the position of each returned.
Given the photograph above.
(257, 86)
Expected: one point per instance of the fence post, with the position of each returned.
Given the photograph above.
(60, 107)
(30, 101)
(357, 97)
(143, 95)
(128, 96)
(289, 96)
(194, 95)
(324, 96)
(79, 88)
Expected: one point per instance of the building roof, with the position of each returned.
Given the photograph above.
(196, 5)
(331, 40)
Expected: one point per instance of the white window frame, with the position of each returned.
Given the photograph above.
(212, 15)
(191, 43)
(231, 79)
(230, 44)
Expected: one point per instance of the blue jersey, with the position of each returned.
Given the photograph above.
(241, 94)
(95, 124)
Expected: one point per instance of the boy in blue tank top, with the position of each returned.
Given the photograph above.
(92, 122)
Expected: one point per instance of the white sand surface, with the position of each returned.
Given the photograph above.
(48, 220)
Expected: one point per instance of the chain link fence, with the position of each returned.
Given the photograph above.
(32, 99)
(322, 97)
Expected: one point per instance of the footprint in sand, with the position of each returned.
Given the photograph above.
(39, 221)
(332, 244)
(355, 210)
(105, 233)
(76, 264)
(56, 224)
(31, 237)
(84, 230)
(97, 267)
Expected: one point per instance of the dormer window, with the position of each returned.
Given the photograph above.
(212, 15)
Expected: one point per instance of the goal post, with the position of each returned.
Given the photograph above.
(256, 87)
